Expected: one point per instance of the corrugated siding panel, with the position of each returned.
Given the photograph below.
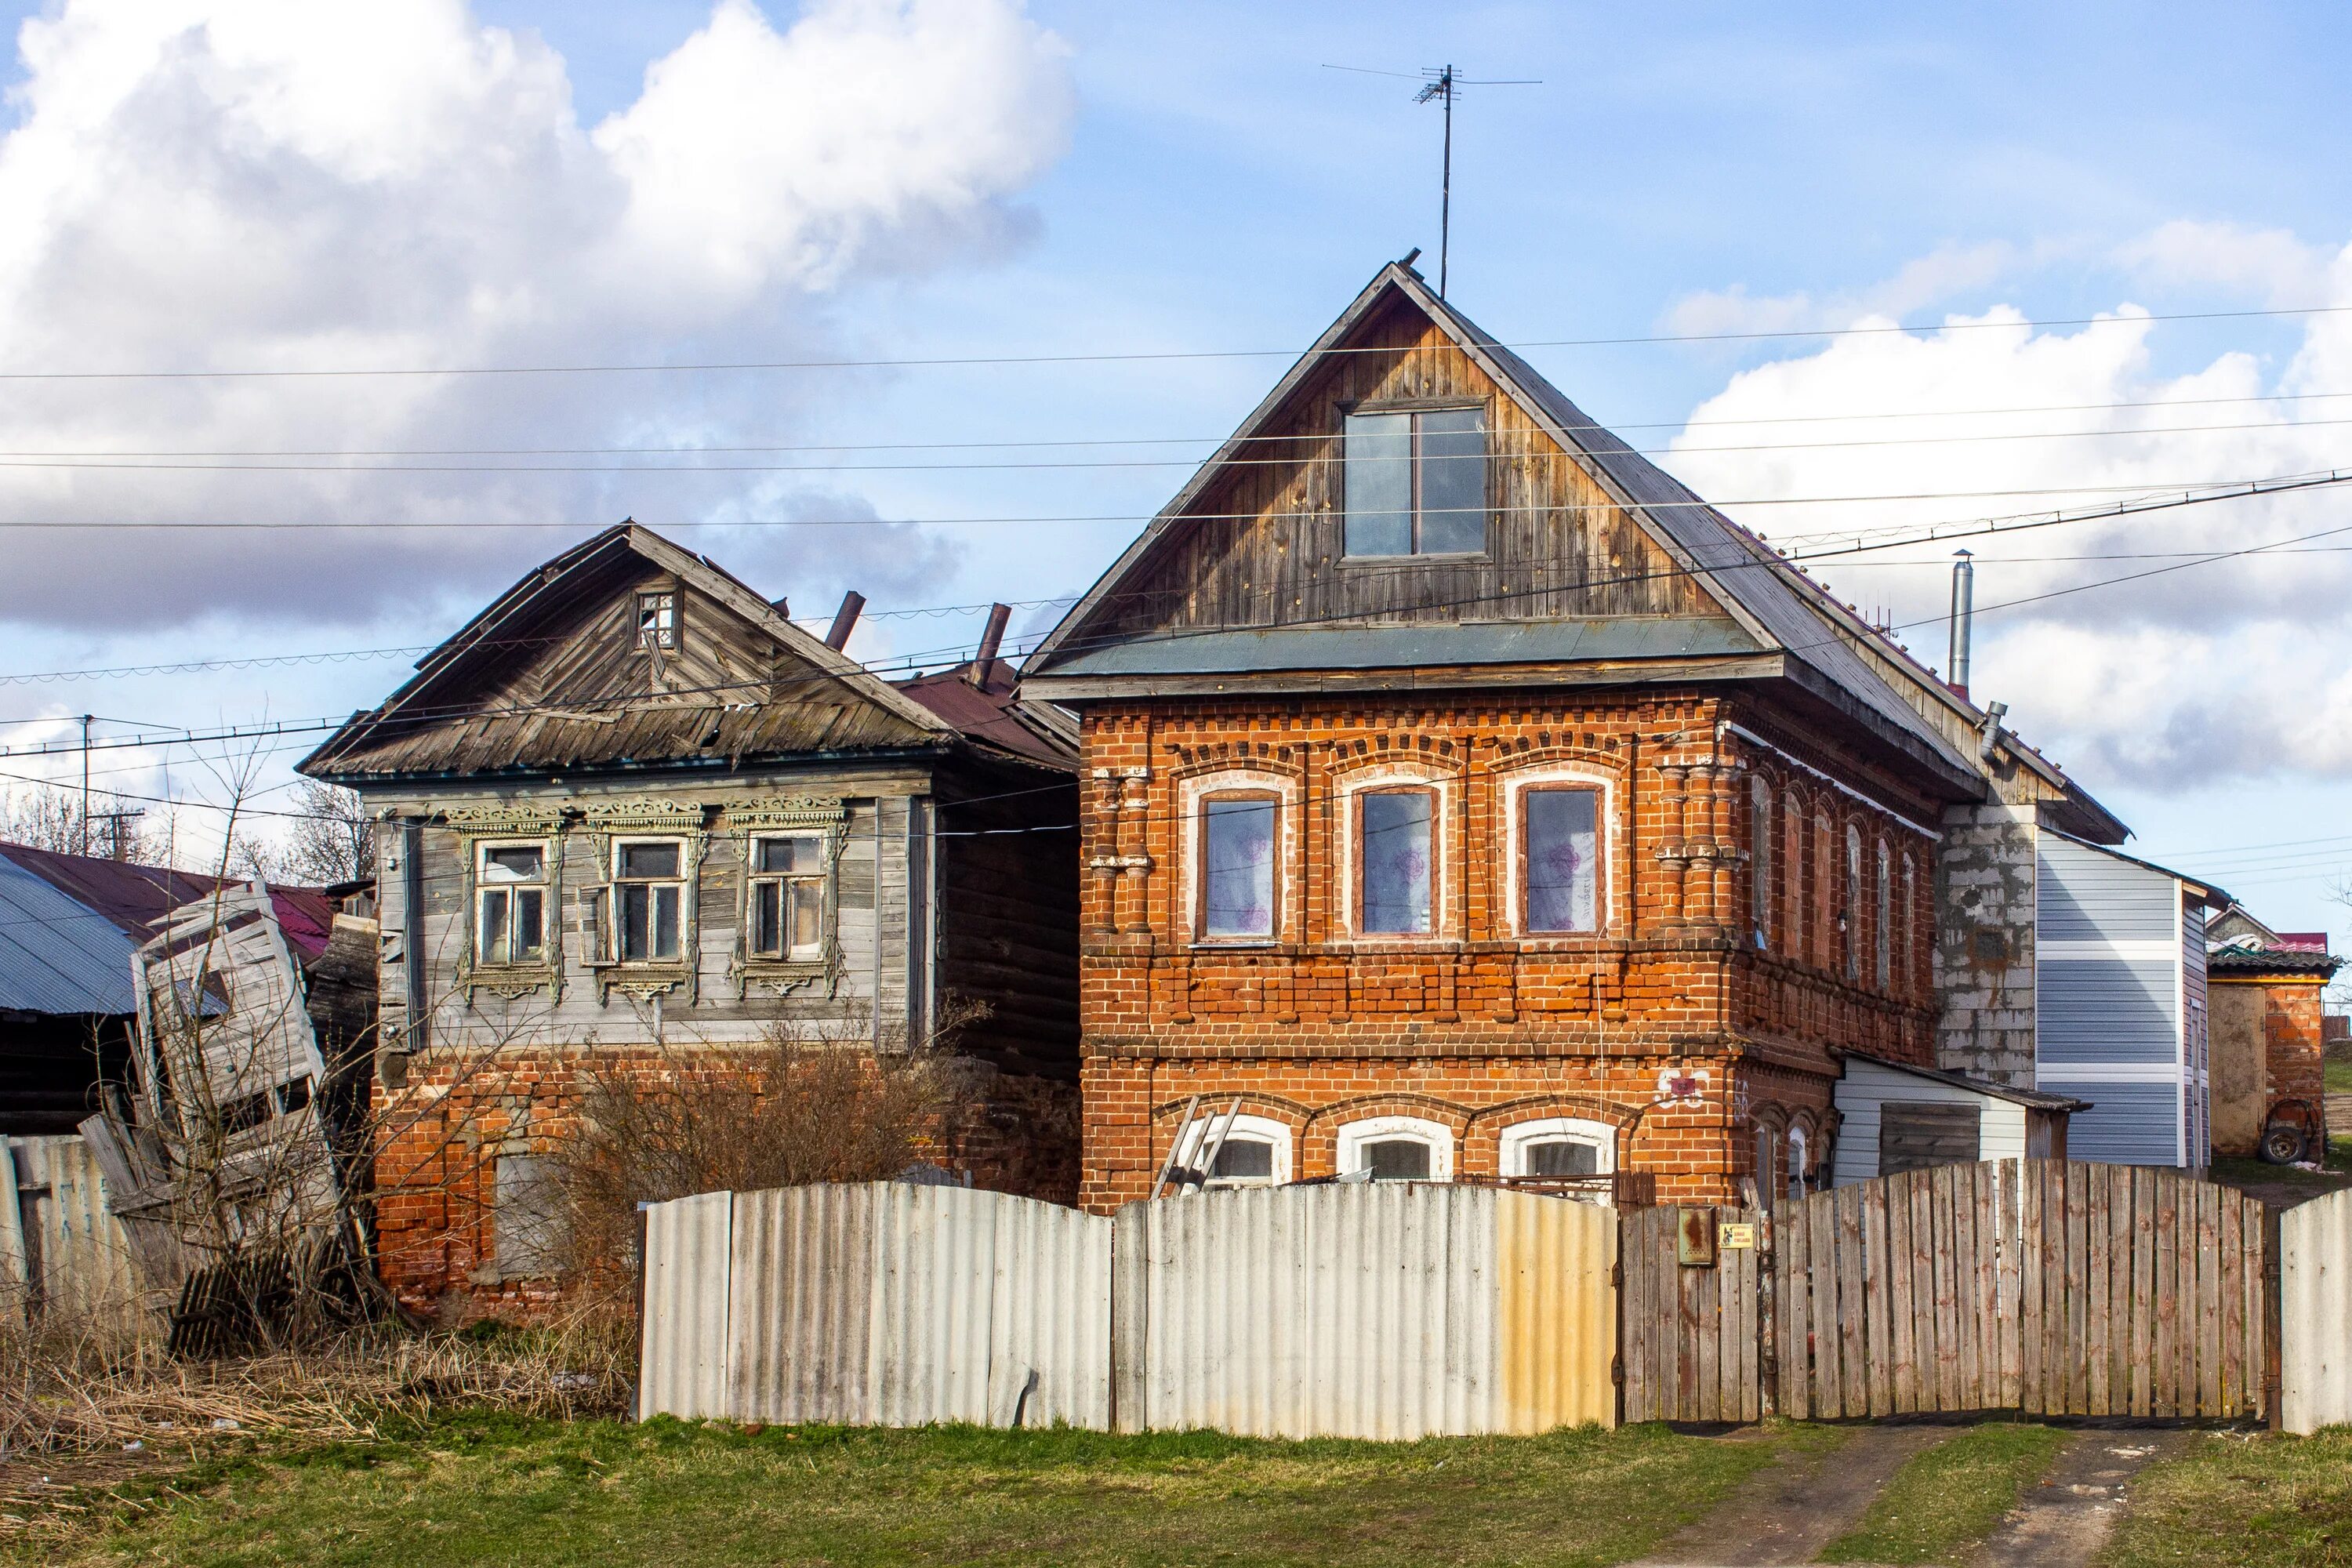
(799, 1304)
(2108, 1009)
(2083, 895)
(1052, 1305)
(934, 1300)
(85, 1254)
(2127, 1124)
(1373, 1311)
(2316, 1303)
(683, 1354)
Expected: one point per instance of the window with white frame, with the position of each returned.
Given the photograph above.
(1759, 859)
(1560, 1148)
(1252, 1151)
(1559, 858)
(649, 898)
(787, 897)
(1397, 1149)
(1395, 860)
(1798, 1183)
(1237, 836)
(510, 903)
(1416, 482)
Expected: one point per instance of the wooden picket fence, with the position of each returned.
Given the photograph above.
(2043, 1286)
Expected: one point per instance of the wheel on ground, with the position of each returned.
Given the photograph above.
(2282, 1144)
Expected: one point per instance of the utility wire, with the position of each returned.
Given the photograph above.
(1148, 356)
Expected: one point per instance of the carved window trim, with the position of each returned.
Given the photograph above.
(504, 826)
(823, 816)
(610, 824)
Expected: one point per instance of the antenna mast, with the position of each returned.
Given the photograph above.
(1443, 85)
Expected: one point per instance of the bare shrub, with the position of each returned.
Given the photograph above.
(788, 1112)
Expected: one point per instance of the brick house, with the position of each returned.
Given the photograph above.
(1466, 799)
(631, 809)
(2265, 991)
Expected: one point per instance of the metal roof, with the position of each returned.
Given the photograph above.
(136, 898)
(1436, 643)
(59, 955)
(2030, 1097)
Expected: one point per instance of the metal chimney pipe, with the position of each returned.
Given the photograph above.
(984, 663)
(844, 620)
(1964, 594)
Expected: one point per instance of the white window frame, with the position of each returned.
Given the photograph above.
(663, 634)
(549, 931)
(1520, 1137)
(1439, 782)
(1190, 796)
(1606, 896)
(1355, 1136)
(1194, 1140)
(787, 952)
(683, 881)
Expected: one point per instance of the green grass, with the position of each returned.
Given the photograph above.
(2242, 1502)
(1943, 1500)
(2338, 1077)
(495, 1491)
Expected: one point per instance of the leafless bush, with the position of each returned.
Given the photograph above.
(788, 1112)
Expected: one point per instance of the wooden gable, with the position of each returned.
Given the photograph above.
(563, 681)
(1263, 547)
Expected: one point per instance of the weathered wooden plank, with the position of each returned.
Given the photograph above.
(1943, 1247)
(2164, 1371)
(2141, 1353)
(1879, 1286)
(2004, 1194)
(2034, 1178)
(1702, 1297)
(2087, 1310)
(2208, 1299)
(1851, 1327)
(1743, 1390)
(1793, 1304)
(1904, 1364)
(2253, 1222)
(2232, 1252)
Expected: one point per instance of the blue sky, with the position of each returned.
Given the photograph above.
(1188, 178)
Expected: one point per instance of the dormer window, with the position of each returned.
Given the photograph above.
(1416, 482)
(658, 622)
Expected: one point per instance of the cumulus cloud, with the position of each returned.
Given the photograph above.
(2168, 677)
(1923, 282)
(201, 184)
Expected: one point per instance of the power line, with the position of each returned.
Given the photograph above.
(1144, 356)
(245, 463)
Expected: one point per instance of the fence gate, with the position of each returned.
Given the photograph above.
(2043, 1286)
(1691, 1344)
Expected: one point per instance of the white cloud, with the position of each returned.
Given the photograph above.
(1945, 271)
(287, 184)
(2226, 669)
(2270, 264)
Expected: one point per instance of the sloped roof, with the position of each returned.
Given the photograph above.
(135, 898)
(1773, 602)
(2032, 1098)
(58, 955)
(996, 715)
(642, 730)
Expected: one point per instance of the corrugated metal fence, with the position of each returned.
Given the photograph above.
(879, 1304)
(2315, 1313)
(60, 1250)
(1373, 1310)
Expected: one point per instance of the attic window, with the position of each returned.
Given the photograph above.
(1416, 482)
(657, 621)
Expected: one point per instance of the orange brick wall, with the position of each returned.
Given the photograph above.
(441, 1133)
(1476, 1023)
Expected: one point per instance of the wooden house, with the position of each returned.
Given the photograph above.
(632, 808)
(1465, 798)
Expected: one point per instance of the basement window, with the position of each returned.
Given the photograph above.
(1416, 483)
(1397, 1149)
(510, 904)
(788, 898)
(1562, 1149)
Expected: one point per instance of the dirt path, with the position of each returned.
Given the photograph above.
(2065, 1520)
(1791, 1509)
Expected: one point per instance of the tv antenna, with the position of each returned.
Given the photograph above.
(1439, 83)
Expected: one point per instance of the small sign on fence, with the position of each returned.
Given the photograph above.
(1731, 1237)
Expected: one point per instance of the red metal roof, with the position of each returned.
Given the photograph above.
(993, 715)
(135, 896)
